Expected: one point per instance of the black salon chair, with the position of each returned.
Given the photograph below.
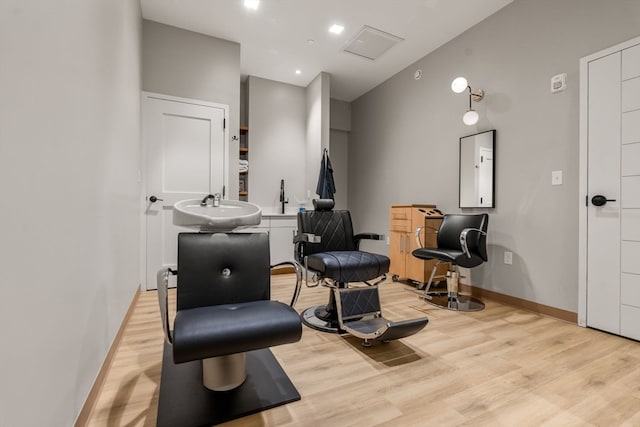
(329, 250)
(225, 319)
(461, 242)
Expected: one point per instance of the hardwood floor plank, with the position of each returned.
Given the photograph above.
(502, 366)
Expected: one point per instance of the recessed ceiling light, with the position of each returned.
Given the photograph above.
(251, 4)
(298, 71)
(336, 29)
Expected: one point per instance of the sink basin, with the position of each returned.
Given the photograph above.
(231, 214)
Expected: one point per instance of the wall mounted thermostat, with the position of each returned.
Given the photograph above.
(558, 83)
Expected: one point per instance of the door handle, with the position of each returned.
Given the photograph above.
(154, 199)
(600, 200)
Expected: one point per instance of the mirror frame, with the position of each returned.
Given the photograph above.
(472, 174)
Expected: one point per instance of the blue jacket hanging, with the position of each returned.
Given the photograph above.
(326, 186)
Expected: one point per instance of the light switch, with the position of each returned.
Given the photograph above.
(556, 178)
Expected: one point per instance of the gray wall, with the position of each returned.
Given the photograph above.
(191, 65)
(340, 161)
(340, 124)
(69, 131)
(276, 117)
(318, 107)
(404, 140)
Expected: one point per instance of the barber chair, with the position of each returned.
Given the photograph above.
(328, 249)
(461, 242)
(224, 324)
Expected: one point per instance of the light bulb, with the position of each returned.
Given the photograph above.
(459, 85)
(470, 117)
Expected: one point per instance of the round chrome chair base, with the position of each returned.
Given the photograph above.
(454, 302)
(319, 318)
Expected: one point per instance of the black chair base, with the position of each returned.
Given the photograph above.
(184, 401)
(454, 302)
(323, 318)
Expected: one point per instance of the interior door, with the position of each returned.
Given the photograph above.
(613, 193)
(185, 148)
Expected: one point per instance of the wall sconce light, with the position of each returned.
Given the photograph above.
(459, 85)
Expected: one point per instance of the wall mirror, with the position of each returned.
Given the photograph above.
(477, 171)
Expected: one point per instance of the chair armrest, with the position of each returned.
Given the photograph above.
(368, 236)
(306, 237)
(163, 301)
(463, 239)
(419, 232)
(298, 269)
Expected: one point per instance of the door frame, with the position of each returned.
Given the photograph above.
(583, 190)
(142, 174)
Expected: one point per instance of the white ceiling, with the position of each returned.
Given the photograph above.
(274, 38)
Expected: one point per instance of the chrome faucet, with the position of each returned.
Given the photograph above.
(214, 197)
(283, 200)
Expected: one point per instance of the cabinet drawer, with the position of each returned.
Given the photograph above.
(280, 222)
(399, 225)
(400, 214)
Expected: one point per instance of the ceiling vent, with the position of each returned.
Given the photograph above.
(370, 43)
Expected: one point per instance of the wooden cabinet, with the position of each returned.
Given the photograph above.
(404, 221)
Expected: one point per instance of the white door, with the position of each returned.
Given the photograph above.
(185, 143)
(612, 201)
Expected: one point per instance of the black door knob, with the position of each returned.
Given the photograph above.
(600, 200)
(154, 199)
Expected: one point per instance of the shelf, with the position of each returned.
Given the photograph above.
(244, 154)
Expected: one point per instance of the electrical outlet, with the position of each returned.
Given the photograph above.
(508, 257)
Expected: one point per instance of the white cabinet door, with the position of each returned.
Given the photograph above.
(186, 158)
(281, 239)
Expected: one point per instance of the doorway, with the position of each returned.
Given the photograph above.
(185, 145)
(609, 273)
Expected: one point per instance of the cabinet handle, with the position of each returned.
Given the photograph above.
(407, 244)
(402, 243)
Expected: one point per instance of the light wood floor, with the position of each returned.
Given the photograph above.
(498, 367)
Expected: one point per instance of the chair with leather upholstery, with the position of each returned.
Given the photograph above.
(225, 318)
(461, 242)
(328, 249)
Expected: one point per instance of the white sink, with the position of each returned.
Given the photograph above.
(231, 214)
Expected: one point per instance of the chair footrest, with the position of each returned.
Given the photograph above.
(381, 329)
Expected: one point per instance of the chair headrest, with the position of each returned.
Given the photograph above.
(323, 204)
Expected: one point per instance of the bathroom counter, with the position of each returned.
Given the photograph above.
(272, 213)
